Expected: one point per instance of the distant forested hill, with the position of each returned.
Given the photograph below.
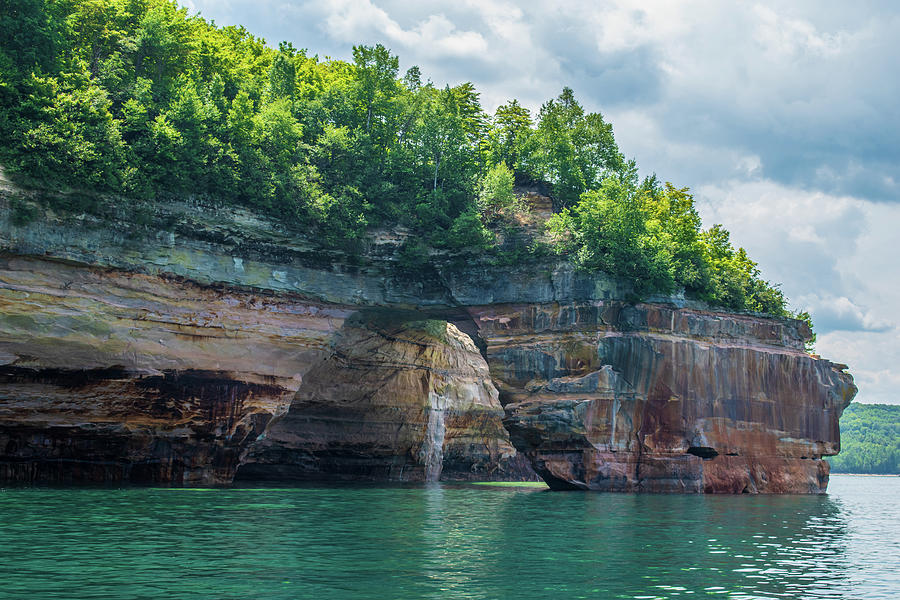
(870, 440)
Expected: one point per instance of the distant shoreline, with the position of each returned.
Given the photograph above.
(869, 474)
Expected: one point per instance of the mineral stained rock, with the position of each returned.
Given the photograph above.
(399, 399)
(211, 344)
(109, 376)
(615, 397)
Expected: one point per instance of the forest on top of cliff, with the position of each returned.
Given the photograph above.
(140, 99)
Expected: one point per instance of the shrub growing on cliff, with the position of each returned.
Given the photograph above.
(607, 231)
(651, 235)
(468, 233)
(495, 191)
(807, 318)
(22, 211)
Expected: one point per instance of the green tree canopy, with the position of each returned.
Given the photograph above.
(141, 99)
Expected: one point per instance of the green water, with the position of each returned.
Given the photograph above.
(447, 541)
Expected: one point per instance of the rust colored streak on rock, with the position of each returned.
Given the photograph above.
(120, 376)
(110, 425)
(659, 399)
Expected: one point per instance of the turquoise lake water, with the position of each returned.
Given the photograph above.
(448, 541)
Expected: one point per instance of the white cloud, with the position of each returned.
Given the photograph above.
(503, 19)
(871, 361)
(353, 20)
(836, 313)
(798, 237)
(788, 39)
(625, 25)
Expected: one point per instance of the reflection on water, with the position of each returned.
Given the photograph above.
(442, 541)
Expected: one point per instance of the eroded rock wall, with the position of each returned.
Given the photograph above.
(399, 399)
(614, 397)
(107, 375)
(168, 353)
(160, 352)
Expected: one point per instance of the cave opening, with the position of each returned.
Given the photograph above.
(704, 452)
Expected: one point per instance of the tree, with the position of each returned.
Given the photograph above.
(442, 136)
(162, 45)
(468, 109)
(734, 280)
(283, 72)
(673, 227)
(69, 133)
(572, 151)
(29, 36)
(606, 231)
(509, 134)
(376, 75)
(95, 26)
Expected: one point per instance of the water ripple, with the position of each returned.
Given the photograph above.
(448, 541)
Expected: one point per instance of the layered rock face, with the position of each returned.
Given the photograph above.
(399, 399)
(110, 376)
(614, 397)
(107, 375)
(213, 344)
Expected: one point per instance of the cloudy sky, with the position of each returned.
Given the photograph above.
(781, 117)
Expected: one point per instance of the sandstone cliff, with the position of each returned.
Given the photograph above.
(211, 343)
(618, 397)
(398, 399)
